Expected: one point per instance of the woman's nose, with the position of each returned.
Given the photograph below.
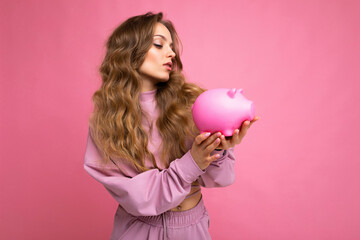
(171, 53)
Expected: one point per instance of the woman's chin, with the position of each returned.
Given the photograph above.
(164, 79)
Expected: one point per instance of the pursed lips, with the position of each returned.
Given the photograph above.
(168, 65)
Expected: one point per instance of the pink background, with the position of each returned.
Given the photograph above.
(297, 170)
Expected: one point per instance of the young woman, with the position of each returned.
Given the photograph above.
(143, 145)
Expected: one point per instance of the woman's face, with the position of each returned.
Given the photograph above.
(154, 68)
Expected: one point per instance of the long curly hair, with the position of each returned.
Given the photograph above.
(115, 123)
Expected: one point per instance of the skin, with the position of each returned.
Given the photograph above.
(238, 135)
(205, 143)
(153, 71)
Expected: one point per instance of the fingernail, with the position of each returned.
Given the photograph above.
(207, 134)
(217, 155)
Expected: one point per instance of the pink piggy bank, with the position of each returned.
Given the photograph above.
(222, 110)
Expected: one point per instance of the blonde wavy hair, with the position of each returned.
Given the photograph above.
(115, 123)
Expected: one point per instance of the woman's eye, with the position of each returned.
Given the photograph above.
(158, 46)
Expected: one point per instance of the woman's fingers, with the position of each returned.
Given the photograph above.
(202, 137)
(245, 126)
(208, 144)
(235, 138)
(243, 129)
(224, 142)
(211, 147)
(254, 120)
(230, 141)
(214, 157)
(210, 140)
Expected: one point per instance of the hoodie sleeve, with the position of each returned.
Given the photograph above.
(145, 194)
(220, 173)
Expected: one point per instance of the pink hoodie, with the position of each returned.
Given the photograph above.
(154, 192)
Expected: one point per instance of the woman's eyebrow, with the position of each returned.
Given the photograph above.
(163, 37)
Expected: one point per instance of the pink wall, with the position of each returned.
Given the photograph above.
(297, 169)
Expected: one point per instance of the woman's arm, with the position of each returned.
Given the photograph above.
(149, 193)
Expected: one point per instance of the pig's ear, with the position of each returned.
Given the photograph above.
(231, 92)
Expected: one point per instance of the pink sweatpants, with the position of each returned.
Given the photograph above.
(185, 225)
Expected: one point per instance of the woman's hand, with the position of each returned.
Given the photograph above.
(230, 142)
(201, 148)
